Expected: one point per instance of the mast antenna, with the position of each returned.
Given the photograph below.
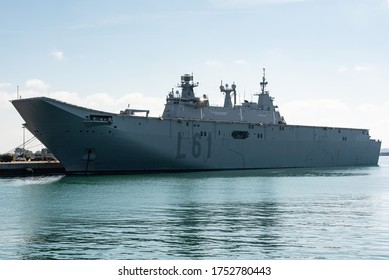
(264, 82)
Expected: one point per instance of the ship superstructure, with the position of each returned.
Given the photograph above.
(190, 135)
(187, 105)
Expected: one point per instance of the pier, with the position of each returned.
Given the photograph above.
(31, 168)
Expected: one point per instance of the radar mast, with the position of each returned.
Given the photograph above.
(227, 90)
(263, 83)
(187, 86)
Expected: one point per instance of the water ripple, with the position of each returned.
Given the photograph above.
(283, 214)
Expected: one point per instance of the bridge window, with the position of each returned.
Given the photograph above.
(100, 118)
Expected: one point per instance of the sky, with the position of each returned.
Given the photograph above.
(327, 61)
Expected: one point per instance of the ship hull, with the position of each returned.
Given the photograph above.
(87, 141)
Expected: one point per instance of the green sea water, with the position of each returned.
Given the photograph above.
(321, 213)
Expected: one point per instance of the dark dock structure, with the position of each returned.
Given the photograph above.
(31, 168)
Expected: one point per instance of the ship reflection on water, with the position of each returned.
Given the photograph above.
(230, 230)
(192, 231)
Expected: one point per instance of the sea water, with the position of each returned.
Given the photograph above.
(320, 213)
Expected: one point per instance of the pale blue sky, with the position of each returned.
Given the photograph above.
(327, 61)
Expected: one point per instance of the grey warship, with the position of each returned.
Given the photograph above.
(191, 135)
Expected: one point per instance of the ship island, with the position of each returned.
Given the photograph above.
(191, 135)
